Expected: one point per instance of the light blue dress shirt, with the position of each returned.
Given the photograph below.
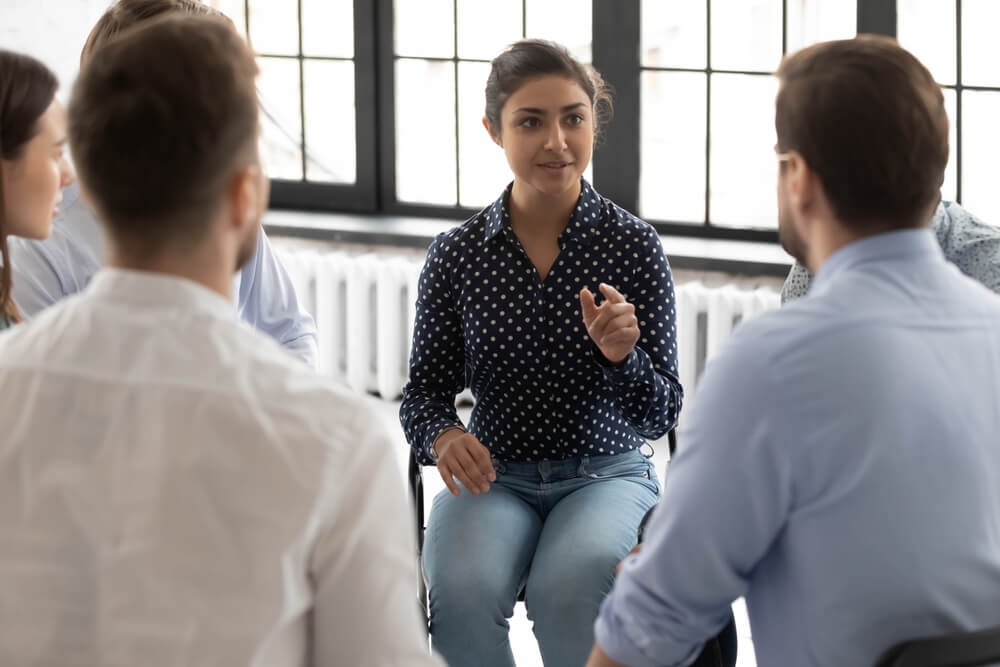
(840, 469)
(46, 271)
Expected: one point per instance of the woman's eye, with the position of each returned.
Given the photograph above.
(530, 122)
(575, 119)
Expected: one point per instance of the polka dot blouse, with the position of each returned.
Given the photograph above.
(543, 390)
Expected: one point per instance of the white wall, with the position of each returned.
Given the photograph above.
(51, 30)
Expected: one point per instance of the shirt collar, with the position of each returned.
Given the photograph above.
(583, 222)
(145, 289)
(900, 244)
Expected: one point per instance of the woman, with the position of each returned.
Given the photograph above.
(33, 166)
(558, 306)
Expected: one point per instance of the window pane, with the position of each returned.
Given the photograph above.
(483, 170)
(746, 35)
(274, 26)
(330, 113)
(235, 10)
(281, 122)
(949, 189)
(980, 146)
(811, 21)
(567, 22)
(672, 168)
(927, 29)
(425, 132)
(980, 48)
(425, 28)
(673, 33)
(483, 32)
(743, 171)
(328, 28)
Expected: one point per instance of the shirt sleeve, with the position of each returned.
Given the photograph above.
(726, 497)
(267, 301)
(364, 565)
(796, 284)
(647, 384)
(969, 243)
(437, 356)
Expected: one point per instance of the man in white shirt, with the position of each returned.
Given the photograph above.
(175, 489)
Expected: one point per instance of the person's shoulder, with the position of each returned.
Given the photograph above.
(620, 220)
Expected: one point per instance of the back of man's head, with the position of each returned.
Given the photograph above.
(159, 126)
(869, 119)
(125, 14)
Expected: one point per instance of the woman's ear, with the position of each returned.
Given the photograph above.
(495, 136)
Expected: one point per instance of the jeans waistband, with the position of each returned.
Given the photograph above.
(575, 466)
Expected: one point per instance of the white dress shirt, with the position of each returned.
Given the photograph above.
(175, 489)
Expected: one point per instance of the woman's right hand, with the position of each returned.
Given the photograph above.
(461, 456)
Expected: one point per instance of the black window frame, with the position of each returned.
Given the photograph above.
(616, 44)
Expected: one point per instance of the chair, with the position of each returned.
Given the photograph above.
(962, 649)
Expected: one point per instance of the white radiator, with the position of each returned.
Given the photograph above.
(364, 306)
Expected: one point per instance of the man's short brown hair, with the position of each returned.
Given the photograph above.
(160, 123)
(125, 14)
(869, 119)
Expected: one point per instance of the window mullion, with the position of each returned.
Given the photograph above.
(616, 44)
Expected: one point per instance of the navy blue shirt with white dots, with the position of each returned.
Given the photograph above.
(543, 390)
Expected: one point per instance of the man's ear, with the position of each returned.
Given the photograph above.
(495, 136)
(801, 181)
(246, 196)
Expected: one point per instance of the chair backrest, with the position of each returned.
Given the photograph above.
(964, 649)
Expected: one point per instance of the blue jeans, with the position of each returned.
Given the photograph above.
(556, 528)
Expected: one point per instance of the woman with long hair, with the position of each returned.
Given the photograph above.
(33, 165)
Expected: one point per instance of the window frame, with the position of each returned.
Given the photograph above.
(616, 157)
(304, 194)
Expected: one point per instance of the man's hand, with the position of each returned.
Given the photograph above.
(613, 325)
(462, 456)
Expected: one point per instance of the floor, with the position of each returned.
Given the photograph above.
(522, 640)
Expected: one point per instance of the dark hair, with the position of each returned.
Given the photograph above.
(160, 123)
(27, 88)
(869, 119)
(125, 14)
(530, 58)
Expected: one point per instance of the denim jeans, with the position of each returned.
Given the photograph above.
(555, 528)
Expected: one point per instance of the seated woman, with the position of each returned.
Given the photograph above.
(557, 307)
(33, 166)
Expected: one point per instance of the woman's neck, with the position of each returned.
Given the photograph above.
(537, 214)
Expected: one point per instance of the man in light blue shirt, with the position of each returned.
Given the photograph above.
(850, 439)
(46, 271)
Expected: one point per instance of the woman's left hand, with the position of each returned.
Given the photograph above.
(613, 325)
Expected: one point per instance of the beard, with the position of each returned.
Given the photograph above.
(789, 238)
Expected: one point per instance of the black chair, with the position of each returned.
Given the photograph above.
(963, 649)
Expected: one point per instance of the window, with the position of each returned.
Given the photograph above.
(707, 103)
(376, 105)
(314, 125)
(956, 41)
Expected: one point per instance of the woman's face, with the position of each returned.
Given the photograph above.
(547, 133)
(33, 183)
